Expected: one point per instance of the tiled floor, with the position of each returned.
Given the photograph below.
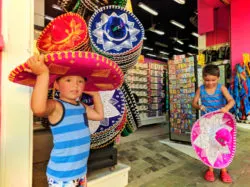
(155, 164)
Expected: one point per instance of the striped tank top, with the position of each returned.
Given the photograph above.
(71, 138)
(212, 102)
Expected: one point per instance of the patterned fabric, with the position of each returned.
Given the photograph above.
(213, 138)
(212, 102)
(81, 182)
(71, 138)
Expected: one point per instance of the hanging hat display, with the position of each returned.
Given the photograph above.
(117, 34)
(133, 117)
(213, 138)
(101, 73)
(66, 32)
(105, 131)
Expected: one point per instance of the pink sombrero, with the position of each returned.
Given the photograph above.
(213, 138)
(64, 33)
(101, 73)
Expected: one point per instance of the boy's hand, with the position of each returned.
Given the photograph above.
(224, 110)
(36, 65)
(203, 108)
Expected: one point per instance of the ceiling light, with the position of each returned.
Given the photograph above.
(156, 31)
(148, 48)
(179, 41)
(176, 49)
(161, 44)
(56, 7)
(177, 24)
(180, 1)
(144, 38)
(192, 46)
(147, 8)
(48, 17)
(190, 54)
(152, 55)
(195, 34)
(164, 58)
(164, 53)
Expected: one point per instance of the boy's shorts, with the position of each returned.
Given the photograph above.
(80, 182)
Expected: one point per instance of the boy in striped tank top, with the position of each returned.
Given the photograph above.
(214, 96)
(67, 166)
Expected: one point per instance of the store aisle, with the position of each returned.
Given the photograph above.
(154, 164)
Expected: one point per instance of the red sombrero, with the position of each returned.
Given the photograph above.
(66, 32)
(101, 72)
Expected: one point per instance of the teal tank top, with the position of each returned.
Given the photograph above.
(214, 101)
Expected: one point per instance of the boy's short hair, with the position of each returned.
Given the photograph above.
(211, 70)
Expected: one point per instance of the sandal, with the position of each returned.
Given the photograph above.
(225, 177)
(209, 176)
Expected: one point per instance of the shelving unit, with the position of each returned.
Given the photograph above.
(181, 93)
(146, 81)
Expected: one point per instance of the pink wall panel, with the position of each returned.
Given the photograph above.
(240, 29)
(205, 17)
(220, 34)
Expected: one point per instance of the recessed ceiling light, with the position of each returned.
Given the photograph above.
(161, 44)
(152, 55)
(177, 24)
(56, 7)
(192, 46)
(195, 34)
(147, 48)
(144, 38)
(48, 17)
(164, 58)
(156, 31)
(176, 49)
(180, 1)
(147, 8)
(164, 53)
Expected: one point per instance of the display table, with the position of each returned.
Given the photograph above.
(117, 177)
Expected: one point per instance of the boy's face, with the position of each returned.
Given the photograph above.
(70, 87)
(211, 81)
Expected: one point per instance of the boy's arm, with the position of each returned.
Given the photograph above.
(229, 98)
(40, 105)
(196, 100)
(95, 113)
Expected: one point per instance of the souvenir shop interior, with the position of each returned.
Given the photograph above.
(161, 48)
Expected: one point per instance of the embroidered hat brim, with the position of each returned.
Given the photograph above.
(101, 73)
(213, 138)
(115, 31)
(66, 32)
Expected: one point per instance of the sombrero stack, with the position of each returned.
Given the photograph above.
(213, 138)
(104, 132)
(67, 32)
(117, 34)
(133, 117)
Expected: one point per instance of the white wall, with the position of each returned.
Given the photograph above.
(16, 129)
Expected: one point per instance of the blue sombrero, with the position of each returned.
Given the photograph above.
(115, 31)
(114, 108)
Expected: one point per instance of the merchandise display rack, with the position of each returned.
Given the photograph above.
(182, 84)
(146, 81)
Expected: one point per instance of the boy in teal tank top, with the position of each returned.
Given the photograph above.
(68, 118)
(214, 96)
